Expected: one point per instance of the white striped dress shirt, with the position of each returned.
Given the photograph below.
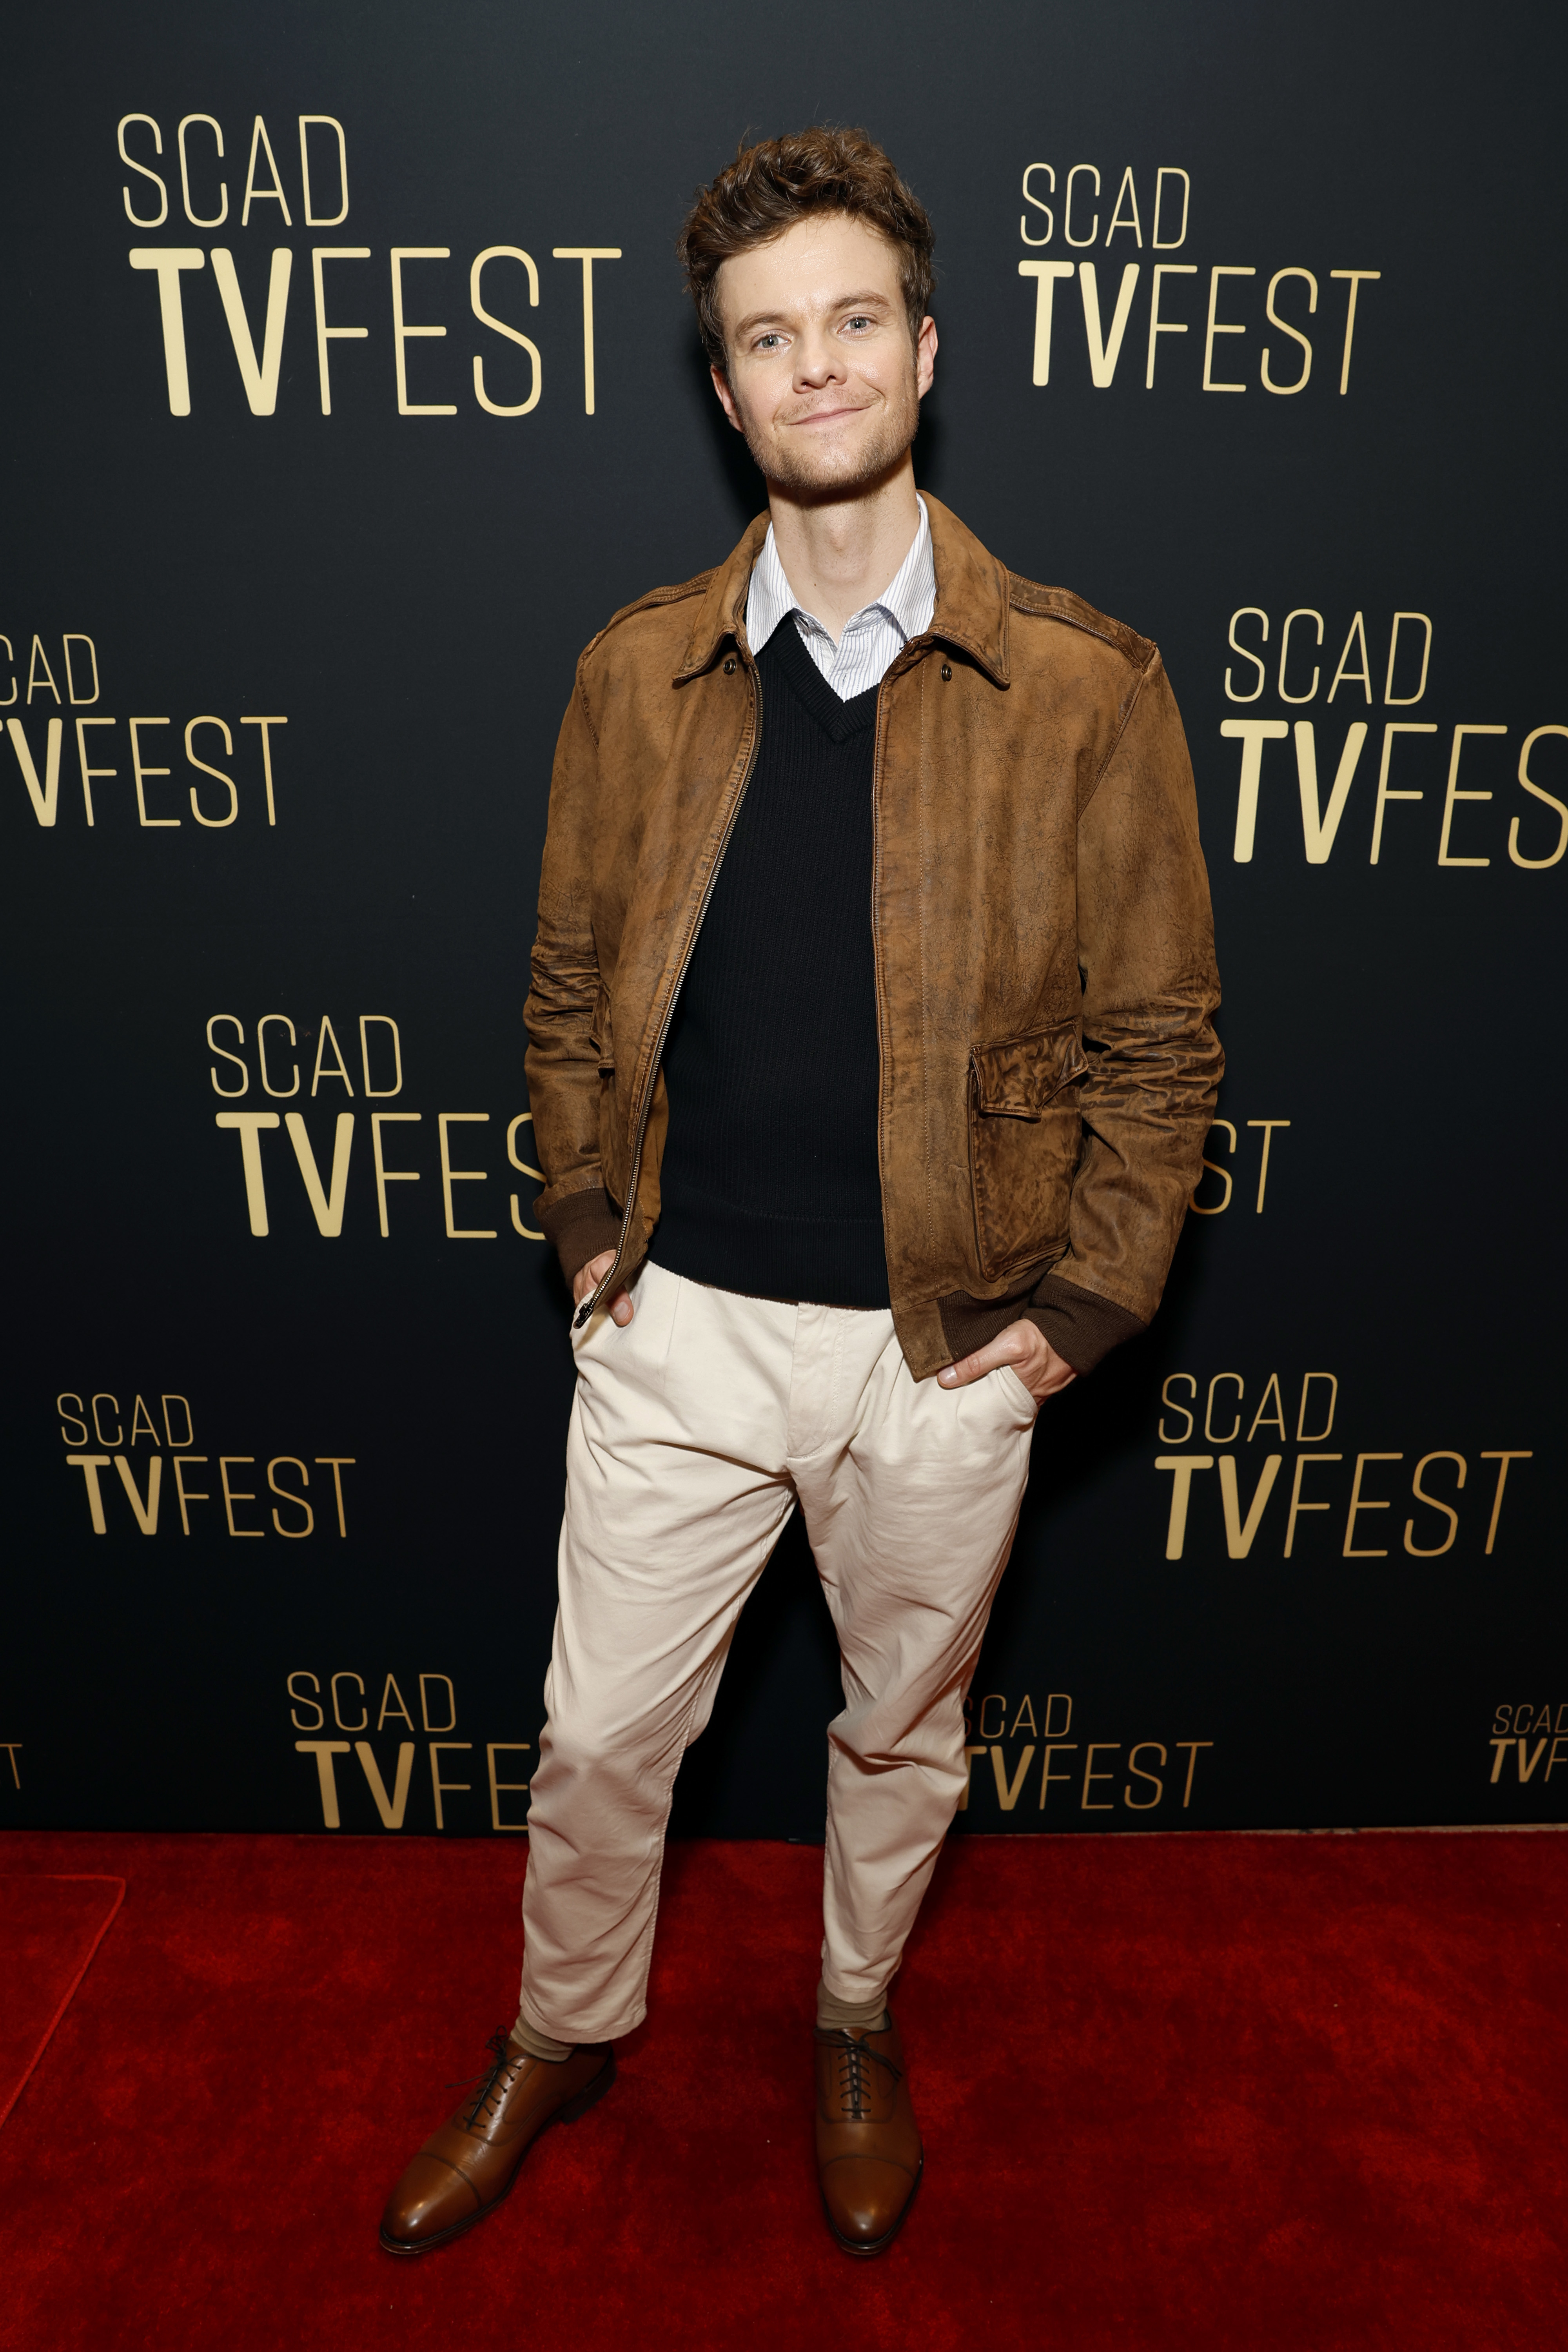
(873, 637)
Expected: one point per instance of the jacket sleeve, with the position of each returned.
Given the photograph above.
(1150, 990)
(563, 1060)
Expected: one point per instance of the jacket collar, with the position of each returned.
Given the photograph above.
(972, 597)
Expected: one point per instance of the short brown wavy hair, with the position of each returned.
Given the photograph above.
(778, 182)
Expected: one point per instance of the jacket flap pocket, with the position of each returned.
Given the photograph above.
(1020, 1076)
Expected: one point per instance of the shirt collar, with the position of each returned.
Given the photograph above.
(908, 601)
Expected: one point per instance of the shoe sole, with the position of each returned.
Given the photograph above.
(865, 2250)
(569, 2112)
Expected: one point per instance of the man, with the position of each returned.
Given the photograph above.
(870, 1061)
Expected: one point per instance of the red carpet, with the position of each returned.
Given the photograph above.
(49, 1929)
(1229, 2092)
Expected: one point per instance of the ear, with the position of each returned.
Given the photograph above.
(727, 398)
(925, 356)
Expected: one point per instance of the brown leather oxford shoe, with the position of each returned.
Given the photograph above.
(868, 2154)
(464, 2170)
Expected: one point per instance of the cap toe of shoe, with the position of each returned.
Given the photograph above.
(865, 2197)
(431, 2198)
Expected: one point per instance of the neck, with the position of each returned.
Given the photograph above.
(839, 555)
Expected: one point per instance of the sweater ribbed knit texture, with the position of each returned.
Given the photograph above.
(770, 1180)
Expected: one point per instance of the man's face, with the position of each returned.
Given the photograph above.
(823, 379)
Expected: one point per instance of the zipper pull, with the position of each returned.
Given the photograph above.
(583, 1314)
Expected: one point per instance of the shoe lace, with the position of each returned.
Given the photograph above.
(855, 2063)
(486, 2097)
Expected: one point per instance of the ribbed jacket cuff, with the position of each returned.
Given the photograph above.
(580, 1226)
(1082, 1327)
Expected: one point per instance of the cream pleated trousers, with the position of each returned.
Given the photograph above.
(694, 1432)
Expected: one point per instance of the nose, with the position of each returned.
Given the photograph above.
(818, 360)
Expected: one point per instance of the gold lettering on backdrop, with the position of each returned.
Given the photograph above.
(1067, 206)
(1287, 329)
(325, 334)
(339, 1068)
(1251, 734)
(1305, 1437)
(71, 638)
(1217, 325)
(1177, 1436)
(1538, 863)
(215, 824)
(1391, 700)
(259, 378)
(1454, 793)
(439, 1787)
(1171, 172)
(1182, 1468)
(1039, 204)
(390, 1692)
(1270, 1127)
(1363, 676)
(324, 220)
(1131, 221)
(1302, 612)
(1158, 326)
(279, 1094)
(450, 1175)
(1103, 356)
(529, 1232)
(201, 220)
(1046, 274)
(292, 1461)
(168, 261)
(327, 1211)
(445, 1681)
(1297, 1506)
(367, 1022)
(255, 195)
(306, 1698)
(143, 220)
(391, 1809)
(383, 1174)
(325, 1751)
(1358, 278)
(88, 775)
(140, 769)
(1318, 829)
(1007, 1791)
(1245, 613)
(402, 333)
(1365, 1503)
(587, 255)
(494, 1748)
(1217, 1208)
(1385, 791)
(1435, 1503)
(46, 798)
(513, 334)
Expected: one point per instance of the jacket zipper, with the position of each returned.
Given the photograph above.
(590, 1303)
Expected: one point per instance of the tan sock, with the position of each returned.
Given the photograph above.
(853, 2016)
(540, 2046)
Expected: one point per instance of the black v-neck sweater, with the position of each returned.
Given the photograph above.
(770, 1180)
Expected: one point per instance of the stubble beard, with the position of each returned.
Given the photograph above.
(810, 474)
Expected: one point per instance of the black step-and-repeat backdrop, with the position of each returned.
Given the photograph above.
(348, 386)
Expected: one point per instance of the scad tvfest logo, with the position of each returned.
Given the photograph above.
(412, 278)
(1150, 215)
(1377, 765)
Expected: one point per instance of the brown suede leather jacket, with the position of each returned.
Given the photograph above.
(1043, 946)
